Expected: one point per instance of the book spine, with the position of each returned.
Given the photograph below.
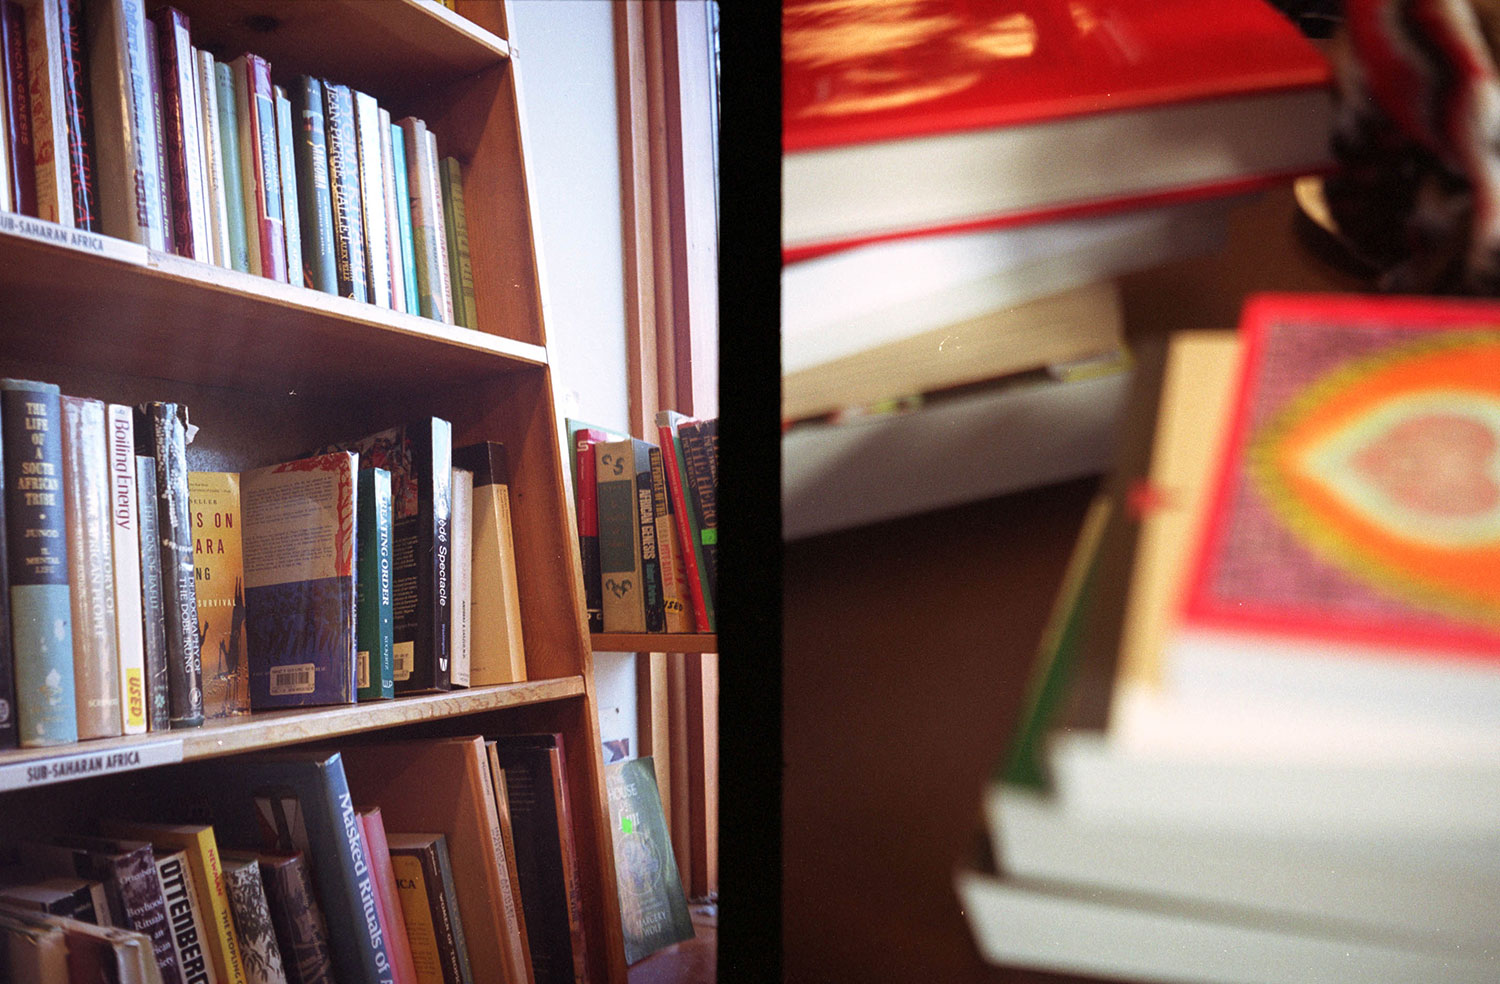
(22, 176)
(645, 510)
(450, 237)
(392, 223)
(588, 528)
(676, 493)
(376, 629)
(444, 870)
(371, 198)
(343, 182)
(37, 560)
(392, 918)
(315, 202)
(458, 251)
(248, 163)
(519, 945)
(422, 565)
(669, 552)
(439, 438)
(153, 620)
(162, 429)
(125, 537)
(185, 918)
(213, 156)
(234, 179)
(461, 528)
(10, 735)
(619, 538)
(497, 644)
(301, 933)
(424, 227)
(442, 284)
(264, 167)
(539, 859)
(132, 877)
(157, 117)
(126, 154)
(417, 914)
(86, 485)
(291, 223)
(558, 773)
(219, 592)
(413, 303)
(433, 873)
(78, 115)
(701, 465)
(49, 126)
(184, 142)
(259, 951)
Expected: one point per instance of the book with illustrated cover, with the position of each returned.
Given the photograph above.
(184, 177)
(77, 108)
(252, 920)
(153, 619)
(301, 933)
(376, 628)
(91, 575)
(299, 581)
(695, 564)
(46, 86)
(653, 909)
(697, 442)
(186, 917)
(124, 517)
(315, 202)
(424, 878)
(498, 643)
(419, 456)
(343, 187)
(219, 576)
(41, 618)
(127, 156)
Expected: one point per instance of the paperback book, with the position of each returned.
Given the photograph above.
(219, 585)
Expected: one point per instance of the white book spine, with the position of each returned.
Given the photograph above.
(249, 157)
(291, 221)
(442, 282)
(127, 160)
(54, 174)
(213, 156)
(372, 198)
(127, 555)
(393, 231)
(461, 527)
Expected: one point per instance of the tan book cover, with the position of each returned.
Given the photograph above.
(219, 575)
(497, 648)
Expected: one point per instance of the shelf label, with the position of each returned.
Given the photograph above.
(81, 765)
(41, 231)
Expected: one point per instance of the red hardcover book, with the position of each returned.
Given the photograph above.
(587, 503)
(261, 165)
(1350, 555)
(184, 142)
(666, 432)
(17, 107)
(387, 898)
(940, 115)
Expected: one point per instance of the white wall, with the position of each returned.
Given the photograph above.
(566, 61)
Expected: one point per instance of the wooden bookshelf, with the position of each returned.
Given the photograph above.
(270, 370)
(655, 642)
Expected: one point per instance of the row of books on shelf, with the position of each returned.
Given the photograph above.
(449, 860)
(143, 596)
(648, 524)
(1261, 734)
(116, 123)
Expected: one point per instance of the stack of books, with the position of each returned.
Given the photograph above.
(962, 186)
(1262, 736)
(648, 524)
(138, 595)
(116, 123)
(317, 865)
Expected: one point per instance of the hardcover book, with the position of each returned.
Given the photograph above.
(237, 221)
(376, 629)
(35, 950)
(219, 587)
(498, 643)
(1161, 101)
(461, 600)
(45, 46)
(206, 871)
(163, 184)
(10, 735)
(465, 814)
(124, 126)
(260, 166)
(299, 581)
(301, 934)
(653, 909)
(252, 920)
(60, 895)
(186, 917)
(392, 221)
(404, 220)
(620, 569)
(419, 456)
(675, 598)
(511, 874)
(216, 188)
(41, 619)
(161, 432)
(343, 185)
(652, 596)
(700, 462)
(426, 225)
(124, 516)
(456, 227)
(315, 202)
(189, 213)
(77, 107)
(291, 222)
(388, 897)
(22, 158)
(424, 877)
(442, 279)
(371, 202)
(91, 576)
(693, 561)
(153, 612)
(102, 953)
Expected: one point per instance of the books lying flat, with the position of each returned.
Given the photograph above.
(985, 117)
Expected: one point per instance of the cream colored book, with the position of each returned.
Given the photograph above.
(498, 650)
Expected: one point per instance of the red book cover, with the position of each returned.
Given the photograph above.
(867, 88)
(387, 899)
(18, 108)
(587, 502)
(667, 438)
(180, 129)
(262, 146)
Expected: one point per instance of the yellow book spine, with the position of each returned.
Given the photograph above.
(218, 575)
(411, 884)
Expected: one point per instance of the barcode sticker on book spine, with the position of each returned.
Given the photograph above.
(298, 678)
(405, 660)
(363, 672)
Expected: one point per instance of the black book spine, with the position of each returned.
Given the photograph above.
(301, 934)
(315, 199)
(343, 182)
(153, 614)
(434, 550)
(702, 492)
(539, 858)
(645, 509)
(10, 735)
(133, 885)
(76, 107)
(164, 425)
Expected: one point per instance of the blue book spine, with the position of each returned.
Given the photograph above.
(343, 181)
(234, 188)
(41, 623)
(373, 613)
(403, 220)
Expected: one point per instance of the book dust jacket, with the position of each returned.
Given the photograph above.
(219, 577)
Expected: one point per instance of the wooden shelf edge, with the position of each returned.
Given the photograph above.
(462, 25)
(273, 729)
(655, 642)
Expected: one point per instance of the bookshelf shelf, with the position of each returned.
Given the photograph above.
(271, 370)
(655, 642)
